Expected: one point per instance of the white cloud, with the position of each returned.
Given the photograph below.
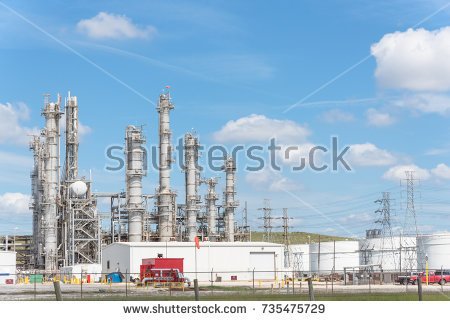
(269, 180)
(441, 171)
(426, 103)
(337, 116)
(113, 26)
(414, 60)
(369, 155)
(259, 128)
(11, 129)
(14, 204)
(379, 119)
(397, 173)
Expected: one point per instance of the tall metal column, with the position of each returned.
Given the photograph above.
(135, 158)
(166, 196)
(211, 208)
(191, 181)
(52, 116)
(230, 204)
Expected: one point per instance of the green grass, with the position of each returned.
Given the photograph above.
(249, 296)
(297, 237)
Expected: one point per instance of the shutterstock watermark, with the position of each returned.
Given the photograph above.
(252, 158)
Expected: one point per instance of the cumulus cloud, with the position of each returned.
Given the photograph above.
(260, 129)
(426, 103)
(11, 129)
(337, 116)
(369, 155)
(397, 173)
(113, 26)
(441, 171)
(379, 119)
(14, 204)
(271, 181)
(414, 60)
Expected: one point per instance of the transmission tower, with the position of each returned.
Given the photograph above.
(386, 228)
(410, 228)
(267, 218)
(286, 242)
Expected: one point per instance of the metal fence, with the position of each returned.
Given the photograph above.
(218, 285)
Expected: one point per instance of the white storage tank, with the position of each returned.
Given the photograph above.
(7, 267)
(300, 258)
(437, 248)
(339, 254)
(393, 254)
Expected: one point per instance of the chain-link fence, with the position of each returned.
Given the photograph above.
(225, 285)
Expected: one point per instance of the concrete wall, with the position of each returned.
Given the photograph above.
(7, 267)
(213, 259)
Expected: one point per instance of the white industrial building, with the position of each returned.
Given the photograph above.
(214, 260)
(436, 248)
(7, 267)
(328, 257)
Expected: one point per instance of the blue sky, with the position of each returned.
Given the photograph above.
(241, 72)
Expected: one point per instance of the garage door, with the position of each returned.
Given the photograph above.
(264, 265)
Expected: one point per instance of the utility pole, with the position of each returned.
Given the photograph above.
(267, 218)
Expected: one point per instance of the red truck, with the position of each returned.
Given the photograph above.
(163, 270)
(438, 276)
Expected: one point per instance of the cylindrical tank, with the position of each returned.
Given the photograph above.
(437, 248)
(393, 254)
(326, 257)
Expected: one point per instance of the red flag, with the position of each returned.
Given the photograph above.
(197, 242)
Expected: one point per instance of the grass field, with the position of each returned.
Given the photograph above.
(297, 237)
(248, 296)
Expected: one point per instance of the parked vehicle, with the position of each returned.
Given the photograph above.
(438, 276)
(407, 278)
(160, 270)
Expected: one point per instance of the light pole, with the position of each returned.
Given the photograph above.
(14, 238)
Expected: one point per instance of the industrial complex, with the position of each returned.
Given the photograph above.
(71, 237)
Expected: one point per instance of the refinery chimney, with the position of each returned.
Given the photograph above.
(192, 182)
(52, 116)
(229, 203)
(135, 170)
(166, 198)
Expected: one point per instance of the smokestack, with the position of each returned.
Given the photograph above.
(211, 198)
(230, 204)
(166, 198)
(191, 176)
(135, 158)
(52, 116)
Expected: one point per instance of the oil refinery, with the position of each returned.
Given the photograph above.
(69, 234)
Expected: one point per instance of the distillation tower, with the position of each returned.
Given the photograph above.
(165, 196)
(211, 208)
(192, 181)
(135, 170)
(229, 202)
(37, 190)
(80, 225)
(51, 181)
